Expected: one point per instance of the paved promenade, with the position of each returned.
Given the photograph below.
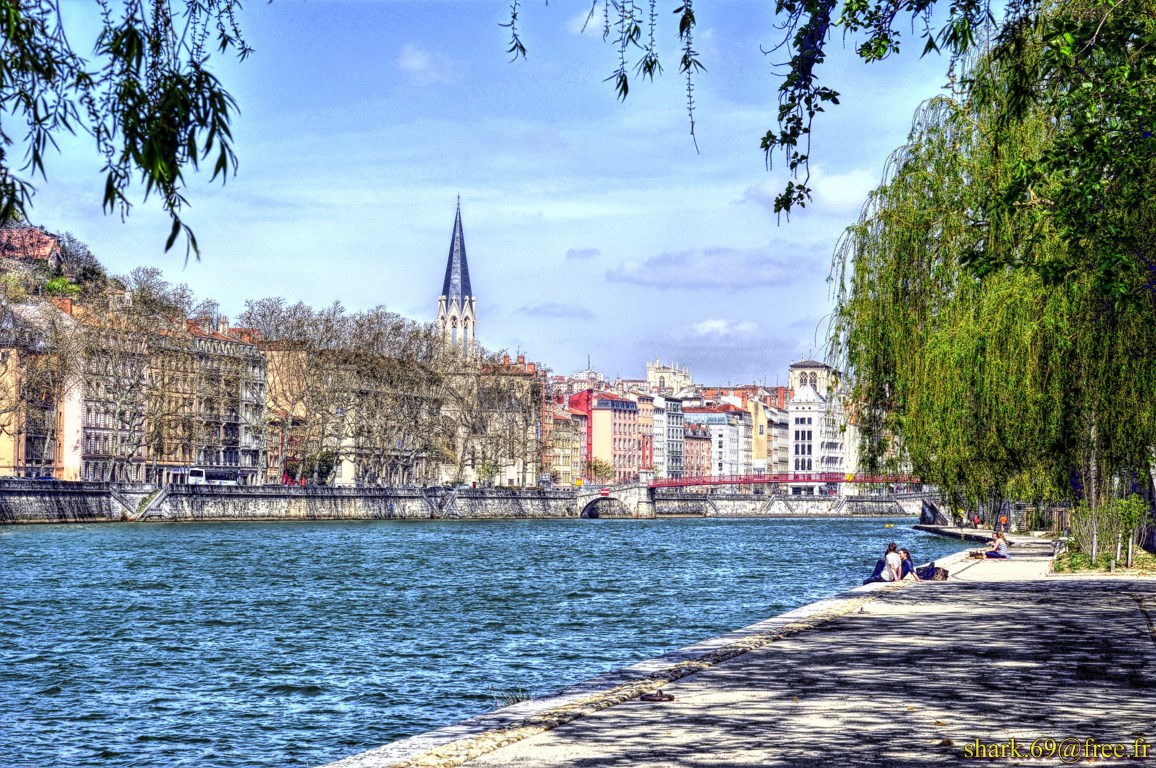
(885, 675)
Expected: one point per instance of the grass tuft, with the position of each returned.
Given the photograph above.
(510, 697)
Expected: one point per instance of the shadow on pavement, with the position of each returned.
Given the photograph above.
(912, 679)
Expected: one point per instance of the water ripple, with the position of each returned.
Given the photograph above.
(253, 645)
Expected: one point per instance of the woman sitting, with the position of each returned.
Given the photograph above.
(907, 565)
(997, 550)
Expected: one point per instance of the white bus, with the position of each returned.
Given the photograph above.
(198, 476)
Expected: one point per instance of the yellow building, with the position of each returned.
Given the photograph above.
(645, 433)
(40, 402)
(565, 447)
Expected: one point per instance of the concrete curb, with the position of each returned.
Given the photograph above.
(457, 744)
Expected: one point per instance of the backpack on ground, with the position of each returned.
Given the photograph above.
(930, 572)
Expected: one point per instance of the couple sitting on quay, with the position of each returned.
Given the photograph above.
(898, 565)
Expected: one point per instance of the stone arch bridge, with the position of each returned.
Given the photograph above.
(638, 500)
(626, 500)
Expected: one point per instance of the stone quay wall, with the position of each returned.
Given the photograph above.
(24, 501)
(50, 501)
(199, 503)
(505, 504)
(189, 503)
(711, 505)
(744, 505)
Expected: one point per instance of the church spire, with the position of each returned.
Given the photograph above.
(457, 282)
(456, 306)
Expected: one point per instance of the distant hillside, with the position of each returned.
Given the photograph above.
(35, 262)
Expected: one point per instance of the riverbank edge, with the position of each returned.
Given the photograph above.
(457, 744)
(48, 502)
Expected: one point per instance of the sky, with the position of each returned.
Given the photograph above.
(595, 229)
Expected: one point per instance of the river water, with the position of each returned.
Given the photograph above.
(238, 645)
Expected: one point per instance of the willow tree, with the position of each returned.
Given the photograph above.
(995, 303)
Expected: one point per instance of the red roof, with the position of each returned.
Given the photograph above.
(719, 408)
(195, 329)
(26, 243)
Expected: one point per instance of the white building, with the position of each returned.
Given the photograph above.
(779, 441)
(730, 437)
(668, 437)
(822, 441)
(667, 379)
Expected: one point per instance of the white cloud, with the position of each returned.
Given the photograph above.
(589, 22)
(835, 194)
(725, 328)
(843, 192)
(713, 268)
(552, 309)
(425, 67)
(722, 351)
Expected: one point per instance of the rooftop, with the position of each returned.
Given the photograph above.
(27, 243)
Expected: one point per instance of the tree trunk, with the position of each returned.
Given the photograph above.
(1093, 489)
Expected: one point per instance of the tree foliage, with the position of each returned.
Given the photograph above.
(599, 470)
(78, 261)
(385, 395)
(995, 303)
(145, 95)
(631, 26)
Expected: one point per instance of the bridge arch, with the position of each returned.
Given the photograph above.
(627, 500)
(605, 506)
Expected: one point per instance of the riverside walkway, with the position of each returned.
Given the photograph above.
(936, 673)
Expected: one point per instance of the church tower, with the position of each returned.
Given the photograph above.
(457, 309)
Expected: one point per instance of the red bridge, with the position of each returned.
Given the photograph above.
(787, 477)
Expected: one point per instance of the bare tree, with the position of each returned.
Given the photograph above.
(311, 382)
(124, 407)
(51, 376)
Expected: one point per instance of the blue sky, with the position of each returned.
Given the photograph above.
(593, 227)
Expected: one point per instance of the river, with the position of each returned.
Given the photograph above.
(249, 645)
